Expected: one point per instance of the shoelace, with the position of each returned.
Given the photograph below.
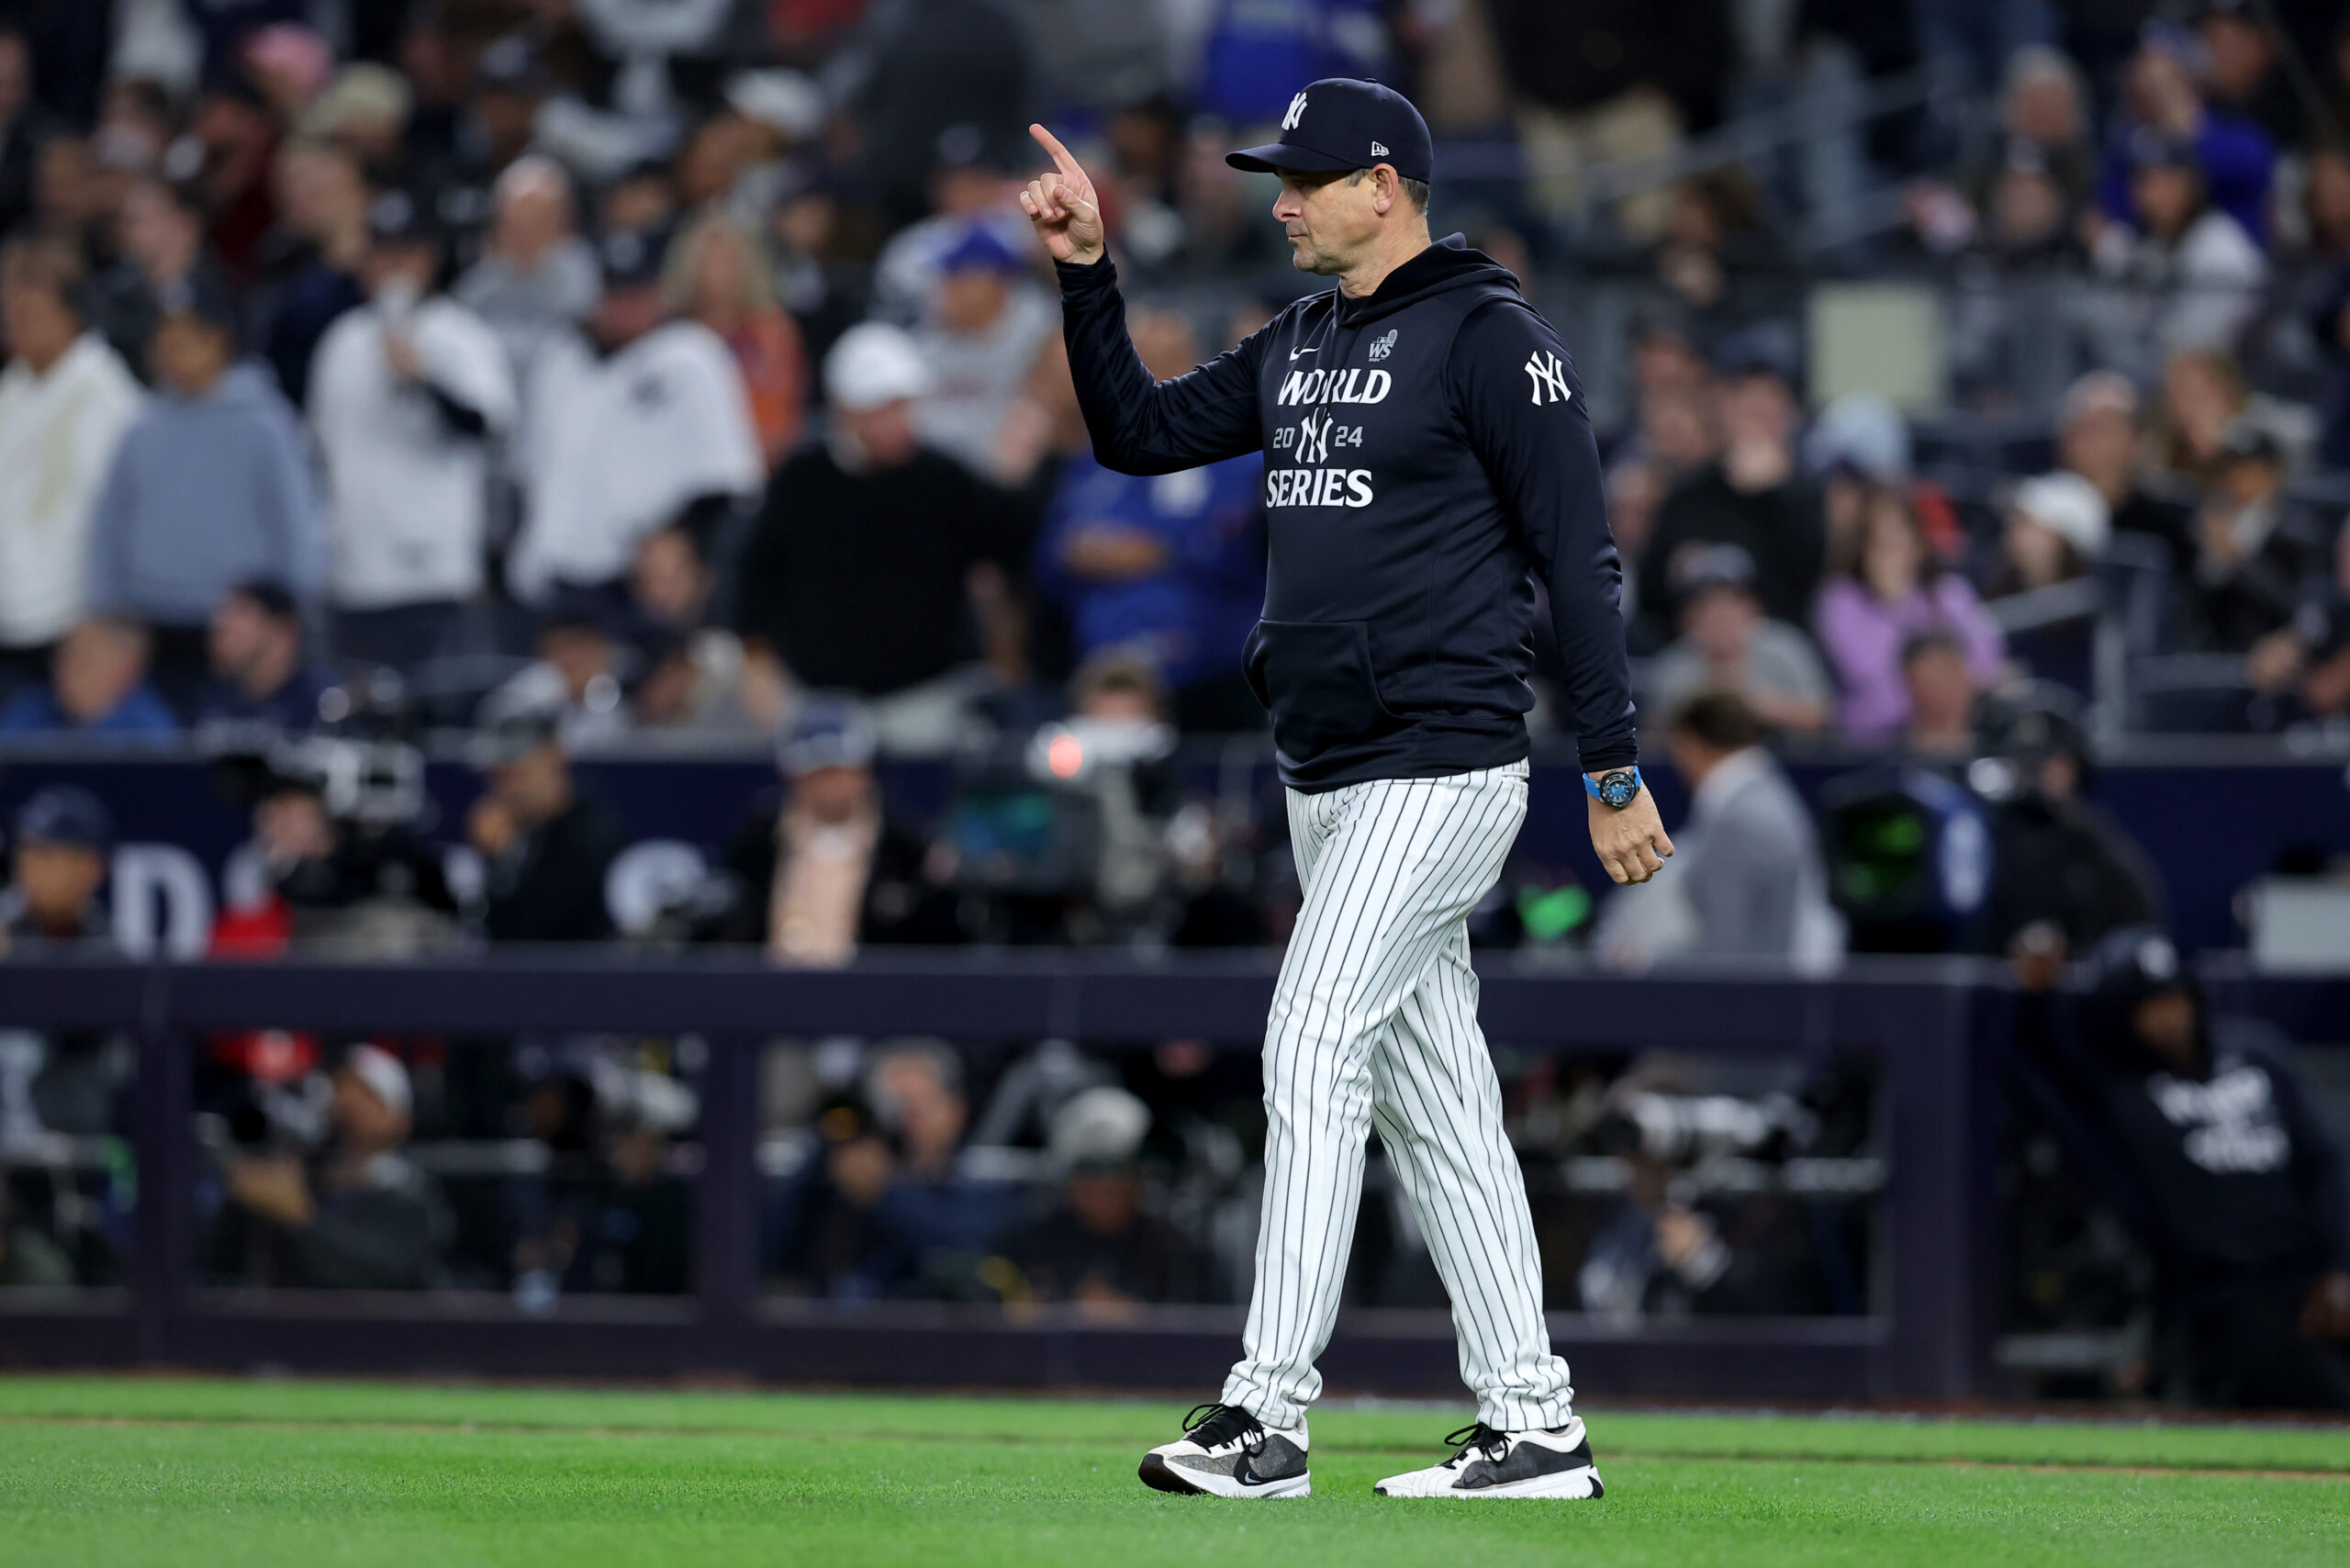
(1476, 1438)
(1213, 1426)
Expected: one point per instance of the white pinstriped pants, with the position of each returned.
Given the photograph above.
(1375, 1019)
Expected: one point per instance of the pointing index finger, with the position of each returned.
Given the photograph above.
(1061, 159)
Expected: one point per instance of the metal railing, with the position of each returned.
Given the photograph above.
(1927, 1334)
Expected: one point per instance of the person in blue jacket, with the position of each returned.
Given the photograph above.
(1171, 567)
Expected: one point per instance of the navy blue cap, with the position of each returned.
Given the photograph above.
(404, 218)
(827, 731)
(200, 294)
(67, 815)
(980, 249)
(1338, 125)
(631, 258)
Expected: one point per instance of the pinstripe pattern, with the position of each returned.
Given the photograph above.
(1375, 1020)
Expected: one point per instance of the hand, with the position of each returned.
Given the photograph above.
(2275, 662)
(1681, 1235)
(1629, 841)
(2038, 954)
(399, 353)
(490, 828)
(1063, 206)
(273, 1188)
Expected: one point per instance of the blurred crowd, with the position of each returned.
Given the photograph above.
(680, 361)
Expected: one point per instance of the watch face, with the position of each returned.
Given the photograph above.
(1618, 787)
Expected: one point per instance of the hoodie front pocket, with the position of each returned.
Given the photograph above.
(1315, 679)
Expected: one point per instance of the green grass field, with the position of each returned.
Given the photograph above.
(193, 1471)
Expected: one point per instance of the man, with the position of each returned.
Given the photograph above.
(62, 851)
(979, 335)
(2238, 1180)
(408, 394)
(1727, 642)
(98, 687)
(161, 232)
(1750, 878)
(63, 838)
(310, 260)
(2309, 661)
(648, 427)
(821, 866)
(210, 487)
(2097, 438)
(548, 843)
(1939, 682)
(262, 676)
(1753, 496)
(941, 1220)
(1429, 447)
(2201, 272)
(537, 279)
(2056, 858)
(65, 399)
(362, 1217)
(1099, 1247)
(858, 574)
(2254, 550)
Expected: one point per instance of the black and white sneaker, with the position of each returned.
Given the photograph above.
(1552, 1463)
(1227, 1452)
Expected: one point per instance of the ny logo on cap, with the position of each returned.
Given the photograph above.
(1296, 113)
(1549, 374)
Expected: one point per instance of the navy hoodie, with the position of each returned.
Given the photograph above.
(1427, 457)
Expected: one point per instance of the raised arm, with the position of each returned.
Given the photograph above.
(1139, 424)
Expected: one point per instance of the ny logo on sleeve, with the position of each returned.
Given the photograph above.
(1549, 374)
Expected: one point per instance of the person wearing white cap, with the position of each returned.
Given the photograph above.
(858, 574)
(361, 1218)
(2057, 526)
(1099, 1247)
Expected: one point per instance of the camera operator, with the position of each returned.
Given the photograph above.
(343, 873)
(357, 1215)
(2242, 1182)
(548, 842)
(2056, 856)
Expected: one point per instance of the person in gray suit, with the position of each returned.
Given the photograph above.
(1748, 882)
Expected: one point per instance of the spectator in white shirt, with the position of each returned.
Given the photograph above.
(406, 396)
(65, 399)
(648, 426)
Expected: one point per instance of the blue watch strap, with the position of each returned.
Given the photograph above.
(1591, 785)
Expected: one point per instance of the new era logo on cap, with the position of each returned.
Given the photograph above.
(1331, 121)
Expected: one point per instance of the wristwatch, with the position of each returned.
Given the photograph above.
(1615, 787)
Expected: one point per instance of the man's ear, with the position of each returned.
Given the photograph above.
(1387, 188)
